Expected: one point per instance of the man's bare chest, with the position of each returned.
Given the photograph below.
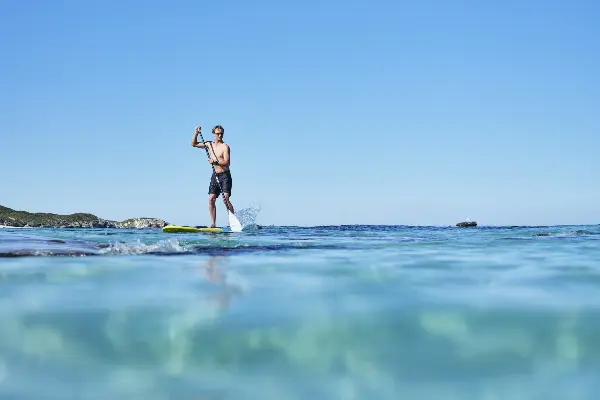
(217, 149)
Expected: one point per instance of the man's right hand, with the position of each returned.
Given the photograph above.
(195, 138)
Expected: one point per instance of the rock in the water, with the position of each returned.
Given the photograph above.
(142, 223)
(466, 224)
(13, 218)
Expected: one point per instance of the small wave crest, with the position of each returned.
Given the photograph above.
(137, 247)
(579, 232)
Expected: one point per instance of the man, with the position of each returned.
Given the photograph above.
(218, 157)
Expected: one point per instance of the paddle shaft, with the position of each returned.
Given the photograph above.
(213, 167)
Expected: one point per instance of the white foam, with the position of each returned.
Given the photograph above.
(168, 245)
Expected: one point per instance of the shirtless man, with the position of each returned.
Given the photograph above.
(219, 158)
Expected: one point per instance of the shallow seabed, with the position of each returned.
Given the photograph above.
(341, 312)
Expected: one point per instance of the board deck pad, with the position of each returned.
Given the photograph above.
(193, 229)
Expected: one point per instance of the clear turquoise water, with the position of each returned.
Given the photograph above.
(301, 313)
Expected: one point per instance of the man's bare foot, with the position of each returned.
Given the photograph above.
(212, 226)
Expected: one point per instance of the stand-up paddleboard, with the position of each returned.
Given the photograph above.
(193, 229)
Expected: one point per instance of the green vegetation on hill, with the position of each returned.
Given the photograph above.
(10, 217)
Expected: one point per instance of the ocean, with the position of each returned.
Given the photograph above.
(330, 312)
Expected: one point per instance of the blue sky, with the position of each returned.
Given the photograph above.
(337, 112)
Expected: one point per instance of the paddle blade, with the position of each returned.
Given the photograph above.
(234, 223)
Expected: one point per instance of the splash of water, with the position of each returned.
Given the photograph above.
(247, 216)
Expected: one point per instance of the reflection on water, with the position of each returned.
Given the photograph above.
(215, 272)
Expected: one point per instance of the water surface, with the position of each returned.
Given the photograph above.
(340, 312)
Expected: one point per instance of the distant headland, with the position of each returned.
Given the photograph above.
(24, 219)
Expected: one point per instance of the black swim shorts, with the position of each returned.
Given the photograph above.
(225, 181)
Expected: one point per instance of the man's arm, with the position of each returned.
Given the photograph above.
(195, 142)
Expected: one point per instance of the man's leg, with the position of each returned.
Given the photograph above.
(227, 202)
(212, 209)
(226, 185)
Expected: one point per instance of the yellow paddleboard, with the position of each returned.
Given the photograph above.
(192, 229)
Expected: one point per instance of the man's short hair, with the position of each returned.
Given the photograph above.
(218, 127)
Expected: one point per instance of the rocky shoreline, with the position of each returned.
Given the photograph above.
(23, 219)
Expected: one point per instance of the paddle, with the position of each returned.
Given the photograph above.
(234, 223)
